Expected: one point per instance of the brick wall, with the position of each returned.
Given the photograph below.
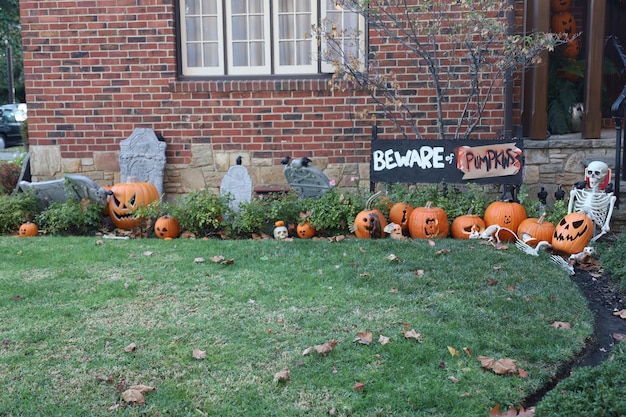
(96, 70)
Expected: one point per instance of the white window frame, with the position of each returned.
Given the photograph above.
(226, 67)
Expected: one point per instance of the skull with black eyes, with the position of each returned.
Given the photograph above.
(596, 175)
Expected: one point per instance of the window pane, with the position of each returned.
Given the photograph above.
(239, 6)
(303, 25)
(211, 54)
(239, 29)
(285, 6)
(193, 27)
(286, 56)
(209, 29)
(256, 27)
(285, 27)
(255, 6)
(192, 7)
(240, 54)
(303, 49)
(209, 6)
(194, 55)
(303, 5)
(257, 56)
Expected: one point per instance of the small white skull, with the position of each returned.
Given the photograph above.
(280, 232)
(595, 175)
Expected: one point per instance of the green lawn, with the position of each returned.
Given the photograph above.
(70, 305)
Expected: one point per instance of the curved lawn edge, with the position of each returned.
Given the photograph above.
(70, 305)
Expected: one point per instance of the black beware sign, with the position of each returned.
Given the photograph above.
(452, 161)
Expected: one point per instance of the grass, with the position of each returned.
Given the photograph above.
(69, 307)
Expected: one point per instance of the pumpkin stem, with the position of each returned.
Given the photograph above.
(368, 203)
(470, 211)
(428, 204)
(542, 218)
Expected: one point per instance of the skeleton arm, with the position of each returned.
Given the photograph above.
(605, 227)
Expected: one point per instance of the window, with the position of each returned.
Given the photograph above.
(258, 37)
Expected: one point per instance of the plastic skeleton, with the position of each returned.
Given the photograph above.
(594, 201)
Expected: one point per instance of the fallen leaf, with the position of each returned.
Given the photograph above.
(497, 268)
(383, 340)
(501, 246)
(619, 336)
(199, 354)
(621, 314)
(148, 253)
(364, 338)
(431, 242)
(412, 334)
(442, 251)
(134, 395)
(227, 261)
(362, 250)
(453, 379)
(217, 259)
(322, 349)
(359, 385)
(104, 378)
(453, 351)
(130, 348)
(121, 385)
(501, 366)
(522, 373)
(113, 407)
(419, 272)
(561, 325)
(282, 375)
(393, 291)
(198, 260)
(392, 257)
(337, 238)
(467, 351)
(512, 412)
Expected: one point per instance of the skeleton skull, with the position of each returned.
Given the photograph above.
(597, 176)
(280, 232)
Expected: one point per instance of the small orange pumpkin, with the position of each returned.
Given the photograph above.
(166, 227)
(305, 230)
(370, 223)
(125, 198)
(399, 214)
(571, 49)
(428, 222)
(467, 224)
(506, 214)
(572, 234)
(28, 229)
(533, 230)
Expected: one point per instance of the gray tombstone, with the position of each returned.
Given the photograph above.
(72, 187)
(306, 180)
(238, 184)
(142, 155)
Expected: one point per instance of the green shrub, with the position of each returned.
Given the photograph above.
(589, 391)
(260, 214)
(15, 209)
(71, 218)
(554, 212)
(335, 211)
(9, 174)
(201, 212)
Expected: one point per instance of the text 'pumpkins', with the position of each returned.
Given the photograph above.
(125, 198)
(428, 222)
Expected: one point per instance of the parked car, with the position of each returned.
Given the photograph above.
(11, 118)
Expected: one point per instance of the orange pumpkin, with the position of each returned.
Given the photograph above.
(399, 214)
(125, 198)
(28, 229)
(305, 230)
(506, 214)
(428, 222)
(572, 234)
(463, 226)
(533, 230)
(571, 50)
(563, 22)
(166, 227)
(370, 223)
(560, 5)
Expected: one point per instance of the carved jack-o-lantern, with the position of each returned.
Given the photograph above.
(428, 222)
(166, 227)
(370, 223)
(507, 214)
(572, 233)
(467, 225)
(305, 230)
(533, 230)
(564, 22)
(28, 229)
(125, 198)
(399, 214)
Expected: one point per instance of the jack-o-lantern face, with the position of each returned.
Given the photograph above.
(564, 22)
(428, 222)
(560, 5)
(431, 229)
(572, 233)
(399, 214)
(166, 227)
(126, 198)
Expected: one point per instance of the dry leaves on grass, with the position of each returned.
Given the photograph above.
(562, 325)
(364, 338)
(621, 314)
(134, 395)
(130, 348)
(503, 366)
(282, 375)
(198, 354)
(412, 334)
(219, 259)
(322, 349)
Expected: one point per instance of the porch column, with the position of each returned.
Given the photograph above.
(535, 107)
(594, 48)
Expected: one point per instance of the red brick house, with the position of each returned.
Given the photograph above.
(219, 79)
